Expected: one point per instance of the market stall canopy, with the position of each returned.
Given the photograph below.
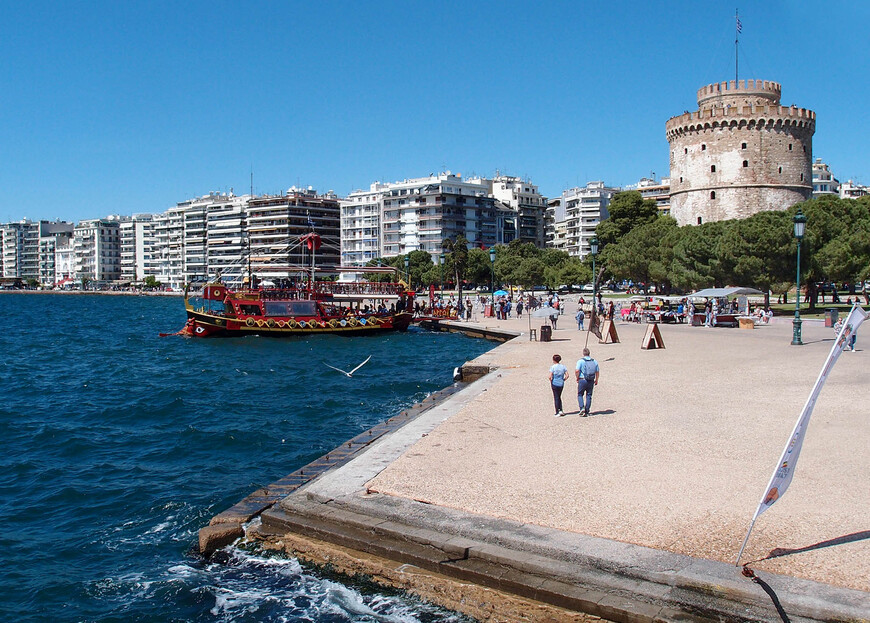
(724, 292)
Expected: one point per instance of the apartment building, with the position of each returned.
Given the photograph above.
(275, 223)
(528, 205)
(137, 247)
(824, 182)
(658, 191)
(581, 209)
(19, 250)
(97, 250)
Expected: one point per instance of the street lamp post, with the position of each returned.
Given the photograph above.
(408, 269)
(492, 265)
(441, 263)
(593, 249)
(800, 224)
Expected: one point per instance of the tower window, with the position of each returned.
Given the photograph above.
(802, 177)
(685, 150)
(743, 146)
(712, 194)
(789, 146)
(805, 149)
(780, 170)
(699, 220)
(712, 168)
(681, 180)
(703, 147)
(745, 163)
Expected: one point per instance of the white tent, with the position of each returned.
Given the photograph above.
(724, 292)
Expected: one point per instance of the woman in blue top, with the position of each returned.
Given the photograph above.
(558, 376)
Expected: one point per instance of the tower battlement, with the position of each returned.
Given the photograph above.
(766, 90)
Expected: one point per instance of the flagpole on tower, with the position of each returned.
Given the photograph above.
(738, 28)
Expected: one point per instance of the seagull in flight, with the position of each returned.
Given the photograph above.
(348, 374)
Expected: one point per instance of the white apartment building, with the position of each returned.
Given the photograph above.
(27, 249)
(660, 192)
(54, 235)
(526, 202)
(824, 182)
(137, 247)
(419, 214)
(851, 190)
(19, 250)
(97, 250)
(582, 209)
(361, 225)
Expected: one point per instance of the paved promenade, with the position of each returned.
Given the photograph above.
(678, 450)
(675, 456)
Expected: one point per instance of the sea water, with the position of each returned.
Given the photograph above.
(117, 446)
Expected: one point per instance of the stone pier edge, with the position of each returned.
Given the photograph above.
(228, 526)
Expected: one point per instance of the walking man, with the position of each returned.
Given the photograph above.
(586, 373)
(558, 376)
(580, 317)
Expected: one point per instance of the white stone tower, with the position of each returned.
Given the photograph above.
(739, 153)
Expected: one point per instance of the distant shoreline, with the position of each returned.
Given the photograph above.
(99, 292)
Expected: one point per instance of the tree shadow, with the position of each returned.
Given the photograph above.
(778, 552)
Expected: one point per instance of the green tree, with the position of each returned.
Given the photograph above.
(151, 282)
(478, 270)
(757, 251)
(696, 263)
(626, 211)
(529, 273)
(456, 252)
(644, 254)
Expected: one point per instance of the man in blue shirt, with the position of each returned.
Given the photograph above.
(586, 373)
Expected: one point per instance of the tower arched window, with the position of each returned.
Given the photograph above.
(802, 177)
(789, 146)
(743, 146)
(712, 168)
(703, 147)
(780, 170)
(699, 220)
(712, 194)
(745, 163)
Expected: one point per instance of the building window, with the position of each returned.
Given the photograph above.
(745, 163)
(699, 220)
(780, 170)
(743, 146)
(802, 177)
(789, 146)
(685, 150)
(712, 194)
(703, 147)
(712, 168)
(681, 180)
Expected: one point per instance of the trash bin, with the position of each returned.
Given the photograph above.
(831, 317)
(546, 333)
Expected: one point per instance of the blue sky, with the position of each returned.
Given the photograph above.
(123, 107)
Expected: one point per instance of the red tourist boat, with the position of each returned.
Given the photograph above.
(301, 308)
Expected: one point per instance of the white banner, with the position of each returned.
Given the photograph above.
(784, 471)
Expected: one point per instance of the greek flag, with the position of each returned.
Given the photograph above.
(739, 26)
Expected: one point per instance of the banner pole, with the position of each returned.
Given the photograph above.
(742, 547)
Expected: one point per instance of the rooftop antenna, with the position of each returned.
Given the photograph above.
(738, 28)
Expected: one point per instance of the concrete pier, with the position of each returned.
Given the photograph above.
(633, 514)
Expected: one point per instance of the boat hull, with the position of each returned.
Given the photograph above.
(203, 324)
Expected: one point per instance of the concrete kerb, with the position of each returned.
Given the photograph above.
(654, 583)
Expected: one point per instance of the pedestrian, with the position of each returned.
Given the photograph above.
(520, 308)
(586, 373)
(558, 376)
(580, 317)
(554, 316)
